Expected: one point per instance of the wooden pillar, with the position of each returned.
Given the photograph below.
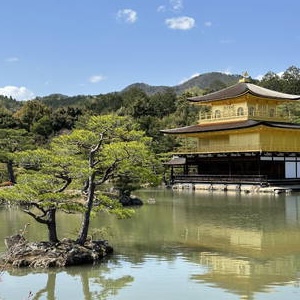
(229, 165)
(259, 164)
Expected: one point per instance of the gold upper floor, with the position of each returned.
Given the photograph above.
(243, 108)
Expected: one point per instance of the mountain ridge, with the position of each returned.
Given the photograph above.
(205, 81)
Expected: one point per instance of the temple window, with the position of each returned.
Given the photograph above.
(251, 111)
(240, 111)
(272, 112)
(217, 114)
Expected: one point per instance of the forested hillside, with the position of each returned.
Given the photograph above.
(200, 84)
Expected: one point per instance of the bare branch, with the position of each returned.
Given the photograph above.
(108, 172)
(97, 147)
(67, 180)
(37, 218)
(36, 205)
(95, 163)
(94, 150)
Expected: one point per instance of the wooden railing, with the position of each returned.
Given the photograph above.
(258, 115)
(225, 179)
(226, 148)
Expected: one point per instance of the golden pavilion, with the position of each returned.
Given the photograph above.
(243, 137)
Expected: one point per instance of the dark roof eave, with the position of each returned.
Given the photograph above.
(230, 126)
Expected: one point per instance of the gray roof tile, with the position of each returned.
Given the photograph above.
(242, 88)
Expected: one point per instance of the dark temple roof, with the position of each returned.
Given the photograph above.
(240, 89)
(228, 126)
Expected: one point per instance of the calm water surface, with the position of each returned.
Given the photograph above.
(186, 245)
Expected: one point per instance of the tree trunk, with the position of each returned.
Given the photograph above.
(86, 216)
(10, 171)
(49, 290)
(51, 224)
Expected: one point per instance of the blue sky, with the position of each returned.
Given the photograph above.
(89, 47)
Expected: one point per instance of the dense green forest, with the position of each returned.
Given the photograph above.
(29, 124)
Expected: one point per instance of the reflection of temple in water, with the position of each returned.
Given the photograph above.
(249, 251)
(243, 276)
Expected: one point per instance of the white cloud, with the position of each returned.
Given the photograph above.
(18, 93)
(161, 8)
(177, 5)
(96, 78)
(191, 77)
(181, 23)
(127, 15)
(207, 24)
(227, 71)
(12, 59)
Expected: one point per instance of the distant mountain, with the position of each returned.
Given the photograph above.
(148, 89)
(208, 81)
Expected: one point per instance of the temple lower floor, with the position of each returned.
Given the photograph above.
(256, 167)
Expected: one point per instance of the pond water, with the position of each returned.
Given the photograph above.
(186, 245)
